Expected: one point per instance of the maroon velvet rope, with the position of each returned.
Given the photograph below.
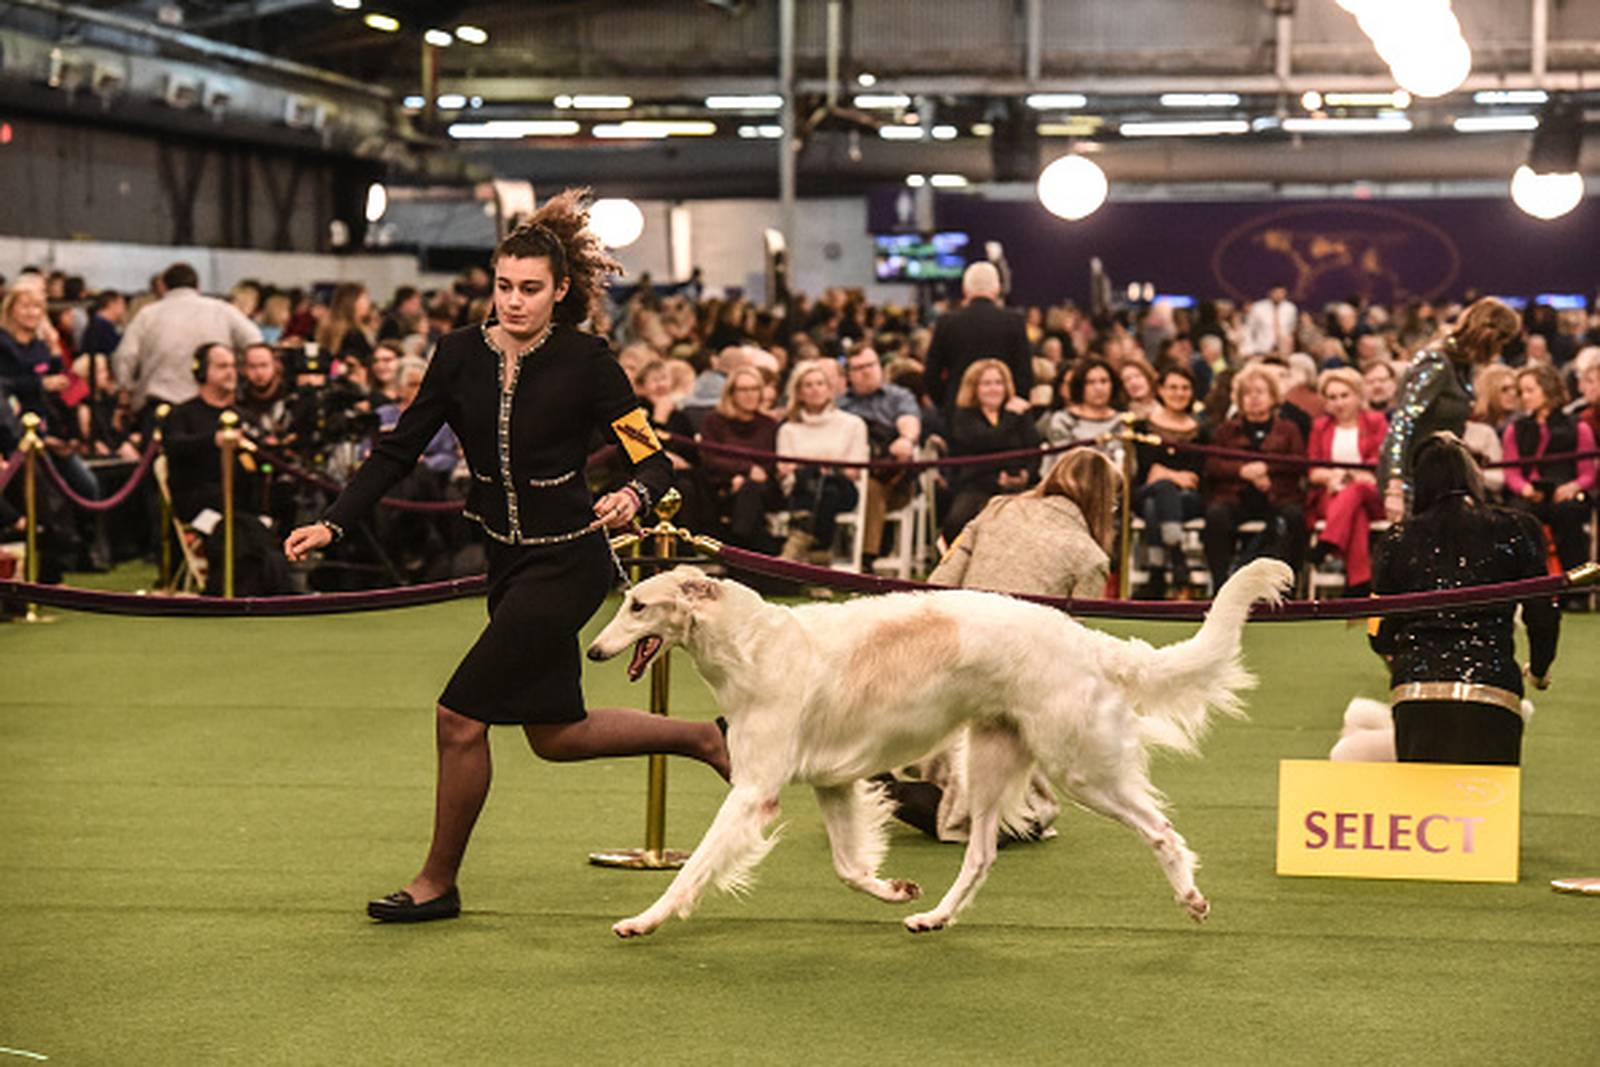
(740, 559)
(115, 498)
(331, 486)
(13, 465)
(981, 459)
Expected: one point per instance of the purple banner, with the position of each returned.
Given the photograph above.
(1385, 251)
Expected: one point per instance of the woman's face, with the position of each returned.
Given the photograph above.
(747, 394)
(1534, 401)
(363, 305)
(1255, 399)
(991, 390)
(525, 295)
(1134, 383)
(1177, 393)
(383, 365)
(1509, 400)
(815, 392)
(1097, 388)
(656, 385)
(1343, 402)
(27, 311)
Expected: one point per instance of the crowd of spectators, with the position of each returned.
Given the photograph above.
(315, 373)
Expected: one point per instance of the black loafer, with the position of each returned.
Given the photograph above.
(398, 907)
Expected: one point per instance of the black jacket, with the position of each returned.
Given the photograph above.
(527, 449)
(981, 330)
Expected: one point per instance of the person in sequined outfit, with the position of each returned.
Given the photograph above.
(524, 392)
(1457, 689)
(1437, 393)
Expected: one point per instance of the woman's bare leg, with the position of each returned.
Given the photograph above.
(464, 771)
(626, 732)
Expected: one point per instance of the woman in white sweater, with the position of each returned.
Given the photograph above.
(814, 428)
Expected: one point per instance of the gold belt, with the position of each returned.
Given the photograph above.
(1458, 691)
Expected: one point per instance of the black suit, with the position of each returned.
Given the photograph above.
(981, 330)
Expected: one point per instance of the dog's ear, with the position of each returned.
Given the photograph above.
(701, 589)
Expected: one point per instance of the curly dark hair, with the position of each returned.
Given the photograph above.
(559, 231)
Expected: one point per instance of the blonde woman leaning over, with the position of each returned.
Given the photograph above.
(1053, 540)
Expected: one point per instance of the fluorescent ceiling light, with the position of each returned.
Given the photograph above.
(1083, 127)
(452, 101)
(1496, 123)
(438, 38)
(512, 129)
(1380, 124)
(1056, 101)
(594, 102)
(944, 133)
(382, 23)
(949, 181)
(650, 129)
(751, 102)
(416, 102)
(982, 129)
(347, 5)
(472, 35)
(916, 181)
(1206, 128)
(1199, 99)
(766, 132)
(1510, 96)
(866, 79)
(875, 100)
(901, 133)
(1399, 98)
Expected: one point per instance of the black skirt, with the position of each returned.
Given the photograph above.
(526, 666)
(1456, 731)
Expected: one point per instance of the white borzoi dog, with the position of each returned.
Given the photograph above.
(829, 694)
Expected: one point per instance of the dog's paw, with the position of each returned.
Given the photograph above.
(1196, 905)
(634, 927)
(902, 889)
(924, 922)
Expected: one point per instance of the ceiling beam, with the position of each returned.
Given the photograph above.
(248, 10)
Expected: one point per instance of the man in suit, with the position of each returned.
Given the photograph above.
(980, 329)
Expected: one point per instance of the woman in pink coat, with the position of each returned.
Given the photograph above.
(1345, 500)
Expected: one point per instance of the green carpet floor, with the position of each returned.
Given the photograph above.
(192, 813)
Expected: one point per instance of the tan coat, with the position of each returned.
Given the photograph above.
(1038, 545)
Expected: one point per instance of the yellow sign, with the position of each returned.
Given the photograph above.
(1433, 821)
(637, 435)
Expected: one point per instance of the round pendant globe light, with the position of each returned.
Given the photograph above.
(1073, 187)
(1545, 196)
(618, 223)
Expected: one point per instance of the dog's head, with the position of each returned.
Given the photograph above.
(658, 613)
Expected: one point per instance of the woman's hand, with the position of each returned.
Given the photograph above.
(615, 510)
(758, 474)
(785, 471)
(54, 383)
(1011, 481)
(1567, 491)
(305, 540)
(1530, 491)
(1394, 501)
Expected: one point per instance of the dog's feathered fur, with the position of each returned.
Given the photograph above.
(831, 694)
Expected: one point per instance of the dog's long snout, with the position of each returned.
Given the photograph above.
(595, 654)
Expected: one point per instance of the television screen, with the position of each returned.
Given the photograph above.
(1562, 301)
(1176, 300)
(905, 257)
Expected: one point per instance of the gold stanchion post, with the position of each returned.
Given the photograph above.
(159, 433)
(229, 423)
(655, 856)
(32, 444)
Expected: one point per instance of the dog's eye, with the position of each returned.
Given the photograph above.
(637, 607)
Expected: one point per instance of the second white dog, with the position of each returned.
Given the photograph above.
(830, 694)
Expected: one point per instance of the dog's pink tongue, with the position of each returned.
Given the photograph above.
(642, 650)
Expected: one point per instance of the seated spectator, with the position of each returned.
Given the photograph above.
(1586, 371)
(1494, 404)
(746, 489)
(709, 384)
(385, 365)
(1138, 380)
(1244, 490)
(1090, 412)
(983, 422)
(1345, 500)
(107, 313)
(894, 426)
(29, 369)
(1383, 381)
(405, 315)
(1168, 482)
(653, 384)
(1053, 540)
(1556, 493)
(425, 546)
(815, 427)
(343, 333)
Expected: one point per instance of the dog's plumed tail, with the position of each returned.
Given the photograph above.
(1178, 687)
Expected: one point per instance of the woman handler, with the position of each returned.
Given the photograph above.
(523, 392)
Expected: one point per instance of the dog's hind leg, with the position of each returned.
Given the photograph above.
(1132, 803)
(856, 815)
(731, 847)
(998, 765)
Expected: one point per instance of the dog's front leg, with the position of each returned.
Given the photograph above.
(731, 847)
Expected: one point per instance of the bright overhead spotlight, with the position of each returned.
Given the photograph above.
(1377, 124)
(765, 132)
(1199, 99)
(472, 35)
(916, 181)
(438, 38)
(1434, 68)
(451, 101)
(944, 133)
(648, 129)
(1202, 128)
(1056, 101)
(618, 223)
(747, 102)
(347, 5)
(882, 100)
(982, 129)
(415, 103)
(1545, 196)
(512, 129)
(1496, 123)
(901, 133)
(866, 80)
(948, 181)
(382, 23)
(594, 102)
(377, 201)
(1510, 96)
(1073, 187)
(1311, 100)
